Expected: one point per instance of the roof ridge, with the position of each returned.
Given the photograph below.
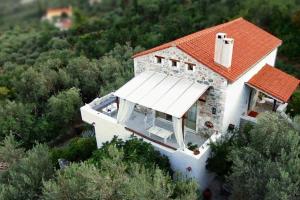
(207, 30)
(177, 41)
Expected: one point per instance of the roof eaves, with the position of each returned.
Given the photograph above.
(280, 99)
(154, 49)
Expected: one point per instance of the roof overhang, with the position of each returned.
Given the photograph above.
(267, 94)
(163, 93)
(274, 83)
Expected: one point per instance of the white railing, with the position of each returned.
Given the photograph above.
(96, 102)
(206, 145)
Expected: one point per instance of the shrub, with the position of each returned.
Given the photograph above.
(135, 150)
(79, 149)
(218, 162)
(24, 178)
(268, 165)
(116, 179)
(294, 105)
(192, 146)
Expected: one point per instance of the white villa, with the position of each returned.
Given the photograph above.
(193, 90)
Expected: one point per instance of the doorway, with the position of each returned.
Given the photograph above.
(191, 118)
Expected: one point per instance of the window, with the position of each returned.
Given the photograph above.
(202, 98)
(168, 117)
(174, 63)
(190, 67)
(158, 59)
(163, 116)
(213, 110)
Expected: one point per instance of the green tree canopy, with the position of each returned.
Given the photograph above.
(294, 104)
(115, 180)
(63, 108)
(23, 179)
(134, 150)
(267, 165)
(32, 86)
(10, 151)
(17, 119)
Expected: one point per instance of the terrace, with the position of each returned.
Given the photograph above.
(143, 120)
(263, 103)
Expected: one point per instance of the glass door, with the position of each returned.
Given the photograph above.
(191, 117)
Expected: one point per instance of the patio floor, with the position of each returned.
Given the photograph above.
(136, 123)
(263, 107)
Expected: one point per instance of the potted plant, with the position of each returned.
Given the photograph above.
(196, 151)
(207, 194)
(194, 148)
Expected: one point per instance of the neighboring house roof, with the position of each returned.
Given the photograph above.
(251, 44)
(274, 82)
(54, 12)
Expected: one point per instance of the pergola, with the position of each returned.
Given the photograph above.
(160, 92)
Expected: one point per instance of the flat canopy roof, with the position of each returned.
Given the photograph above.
(163, 93)
(274, 83)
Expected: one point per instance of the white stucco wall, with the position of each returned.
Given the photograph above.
(237, 93)
(106, 128)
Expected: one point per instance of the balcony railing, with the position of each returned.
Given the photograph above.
(150, 139)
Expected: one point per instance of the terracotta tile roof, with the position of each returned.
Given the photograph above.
(274, 82)
(251, 44)
(67, 10)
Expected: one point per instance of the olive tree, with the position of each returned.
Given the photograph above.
(64, 107)
(17, 119)
(23, 179)
(115, 179)
(10, 151)
(267, 166)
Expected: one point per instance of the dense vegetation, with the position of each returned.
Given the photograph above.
(78, 149)
(262, 161)
(45, 74)
(134, 150)
(31, 174)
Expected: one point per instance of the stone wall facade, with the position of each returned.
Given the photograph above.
(215, 96)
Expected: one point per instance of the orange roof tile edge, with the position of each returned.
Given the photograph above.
(274, 82)
(239, 29)
(68, 9)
